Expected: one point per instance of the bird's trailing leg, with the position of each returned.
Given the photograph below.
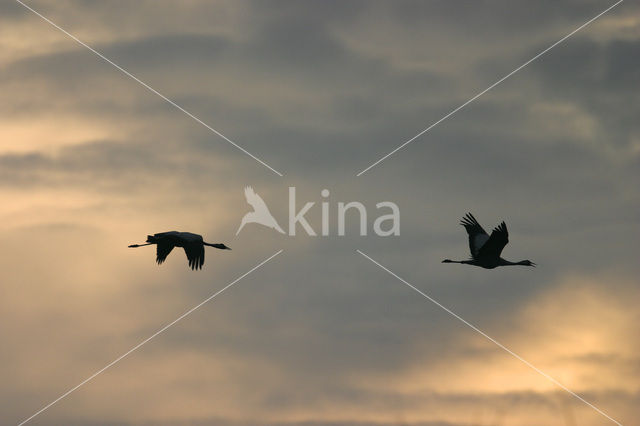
(455, 261)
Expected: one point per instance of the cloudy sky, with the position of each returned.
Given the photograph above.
(91, 161)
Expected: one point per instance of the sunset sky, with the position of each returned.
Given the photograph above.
(91, 161)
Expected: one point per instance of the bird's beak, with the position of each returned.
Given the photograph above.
(533, 264)
(228, 248)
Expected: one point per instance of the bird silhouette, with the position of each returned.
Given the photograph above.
(485, 249)
(192, 243)
(260, 213)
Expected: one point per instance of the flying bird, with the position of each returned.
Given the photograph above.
(192, 244)
(260, 213)
(486, 249)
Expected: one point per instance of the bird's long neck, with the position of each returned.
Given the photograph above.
(218, 246)
(140, 245)
(504, 262)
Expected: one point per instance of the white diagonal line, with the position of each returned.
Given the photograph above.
(149, 338)
(449, 311)
(127, 73)
(490, 87)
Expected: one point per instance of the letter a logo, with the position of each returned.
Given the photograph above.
(260, 213)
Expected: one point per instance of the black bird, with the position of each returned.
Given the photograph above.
(192, 243)
(485, 249)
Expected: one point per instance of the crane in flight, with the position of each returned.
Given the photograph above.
(192, 244)
(485, 248)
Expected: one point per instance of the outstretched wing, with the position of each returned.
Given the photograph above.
(477, 235)
(496, 242)
(163, 249)
(255, 200)
(195, 255)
